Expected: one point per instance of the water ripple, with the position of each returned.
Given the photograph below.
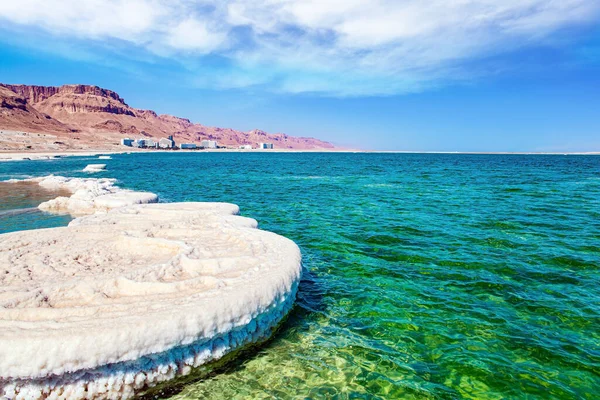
(427, 276)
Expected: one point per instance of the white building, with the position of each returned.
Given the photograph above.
(188, 145)
(139, 143)
(166, 143)
(126, 142)
(246, 147)
(209, 144)
(265, 145)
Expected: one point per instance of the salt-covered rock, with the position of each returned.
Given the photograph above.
(94, 168)
(120, 301)
(90, 195)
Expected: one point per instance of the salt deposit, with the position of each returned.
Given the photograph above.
(105, 157)
(94, 168)
(123, 300)
(89, 195)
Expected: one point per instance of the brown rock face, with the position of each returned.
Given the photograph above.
(90, 116)
(35, 94)
(11, 101)
(115, 126)
(17, 113)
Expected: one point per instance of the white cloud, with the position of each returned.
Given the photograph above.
(195, 35)
(339, 47)
(123, 19)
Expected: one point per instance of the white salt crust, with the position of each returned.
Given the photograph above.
(90, 195)
(95, 168)
(120, 301)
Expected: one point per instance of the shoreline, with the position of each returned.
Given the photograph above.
(48, 155)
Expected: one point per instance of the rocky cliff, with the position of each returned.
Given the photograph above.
(16, 113)
(85, 116)
(36, 94)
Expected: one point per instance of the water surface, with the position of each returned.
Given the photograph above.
(426, 276)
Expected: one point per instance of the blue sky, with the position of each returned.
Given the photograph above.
(463, 75)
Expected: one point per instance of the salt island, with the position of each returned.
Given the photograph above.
(134, 293)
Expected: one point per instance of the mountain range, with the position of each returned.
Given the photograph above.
(73, 117)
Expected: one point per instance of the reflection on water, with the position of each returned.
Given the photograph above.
(23, 194)
(18, 206)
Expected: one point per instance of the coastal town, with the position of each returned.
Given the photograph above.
(169, 143)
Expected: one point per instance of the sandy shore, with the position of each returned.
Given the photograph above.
(30, 155)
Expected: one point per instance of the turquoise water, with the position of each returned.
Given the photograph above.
(427, 276)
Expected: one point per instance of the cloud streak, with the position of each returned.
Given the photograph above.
(333, 47)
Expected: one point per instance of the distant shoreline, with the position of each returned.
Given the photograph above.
(45, 155)
(540, 153)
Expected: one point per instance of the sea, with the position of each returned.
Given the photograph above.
(426, 276)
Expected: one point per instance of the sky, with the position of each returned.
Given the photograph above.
(411, 75)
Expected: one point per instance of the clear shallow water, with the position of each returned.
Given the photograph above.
(18, 206)
(427, 276)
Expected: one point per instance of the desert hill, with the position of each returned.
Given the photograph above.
(86, 117)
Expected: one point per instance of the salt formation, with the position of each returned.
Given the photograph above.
(89, 195)
(123, 300)
(105, 157)
(94, 168)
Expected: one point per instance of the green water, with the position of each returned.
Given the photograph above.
(426, 276)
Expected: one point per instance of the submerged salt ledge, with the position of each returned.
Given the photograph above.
(90, 195)
(123, 300)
